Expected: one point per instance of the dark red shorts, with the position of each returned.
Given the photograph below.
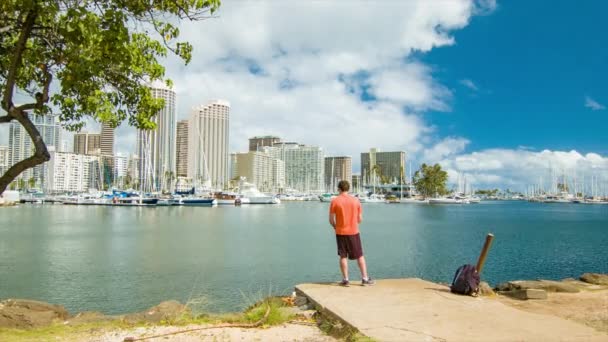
(349, 246)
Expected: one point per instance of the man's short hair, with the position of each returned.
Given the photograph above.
(343, 185)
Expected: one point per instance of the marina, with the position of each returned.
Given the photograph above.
(124, 259)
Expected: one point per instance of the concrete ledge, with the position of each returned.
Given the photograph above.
(418, 310)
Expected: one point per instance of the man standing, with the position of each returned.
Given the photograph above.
(345, 215)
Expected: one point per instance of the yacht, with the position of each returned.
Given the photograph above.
(374, 198)
(250, 191)
(198, 201)
(449, 200)
(326, 197)
(229, 198)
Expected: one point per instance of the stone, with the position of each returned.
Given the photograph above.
(307, 314)
(547, 285)
(595, 278)
(165, 311)
(301, 300)
(88, 317)
(526, 294)
(485, 289)
(21, 313)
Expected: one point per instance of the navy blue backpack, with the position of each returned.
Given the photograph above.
(466, 280)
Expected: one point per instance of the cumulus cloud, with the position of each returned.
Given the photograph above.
(594, 105)
(520, 169)
(445, 148)
(336, 74)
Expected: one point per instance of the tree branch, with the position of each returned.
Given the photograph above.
(41, 154)
(7, 101)
(6, 119)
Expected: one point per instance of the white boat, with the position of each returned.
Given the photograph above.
(198, 201)
(563, 197)
(374, 198)
(250, 192)
(229, 198)
(474, 200)
(448, 200)
(326, 197)
(409, 200)
(595, 200)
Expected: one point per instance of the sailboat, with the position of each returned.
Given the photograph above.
(200, 195)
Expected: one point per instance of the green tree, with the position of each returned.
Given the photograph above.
(431, 180)
(87, 58)
(31, 183)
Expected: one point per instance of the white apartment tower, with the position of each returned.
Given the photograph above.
(72, 172)
(304, 165)
(208, 129)
(156, 148)
(3, 159)
(261, 169)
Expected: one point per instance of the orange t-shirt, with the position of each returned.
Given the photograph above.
(347, 210)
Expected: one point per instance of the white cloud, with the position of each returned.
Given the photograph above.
(594, 105)
(313, 63)
(469, 84)
(445, 148)
(520, 168)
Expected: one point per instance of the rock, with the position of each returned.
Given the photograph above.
(301, 301)
(165, 311)
(503, 287)
(306, 314)
(88, 317)
(21, 313)
(527, 294)
(595, 278)
(485, 289)
(547, 285)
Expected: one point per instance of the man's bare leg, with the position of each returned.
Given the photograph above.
(362, 267)
(344, 267)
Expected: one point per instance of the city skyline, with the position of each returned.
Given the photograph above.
(452, 86)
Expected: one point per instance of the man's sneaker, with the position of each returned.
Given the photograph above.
(368, 282)
(344, 282)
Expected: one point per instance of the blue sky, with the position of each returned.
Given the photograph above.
(534, 63)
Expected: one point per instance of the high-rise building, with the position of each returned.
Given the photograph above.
(21, 147)
(256, 143)
(181, 148)
(382, 167)
(106, 143)
(208, 129)
(261, 169)
(337, 169)
(3, 159)
(87, 143)
(156, 148)
(72, 172)
(304, 165)
(355, 185)
(133, 170)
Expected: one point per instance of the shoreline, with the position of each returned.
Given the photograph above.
(22, 320)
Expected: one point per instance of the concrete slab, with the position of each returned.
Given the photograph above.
(418, 310)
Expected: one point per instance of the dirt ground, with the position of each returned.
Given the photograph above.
(589, 307)
(285, 332)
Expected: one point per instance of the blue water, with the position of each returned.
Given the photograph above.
(118, 260)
